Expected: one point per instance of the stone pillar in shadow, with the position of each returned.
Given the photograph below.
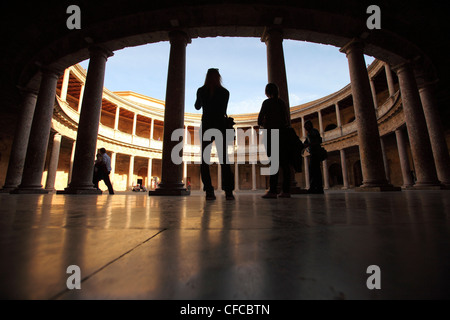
(436, 133)
(421, 151)
(86, 143)
(20, 142)
(403, 156)
(171, 173)
(39, 135)
(374, 177)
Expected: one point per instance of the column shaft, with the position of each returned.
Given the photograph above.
(53, 165)
(39, 135)
(344, 169)
(436, 132)
(385, 159)
(403, 156)
(87, 134)
(171, 173)
(421, 151)
(65, 85)
(131, 173)
(20, 142)
(326, 179)
(390, 79)
(276, 67)
(368, 134)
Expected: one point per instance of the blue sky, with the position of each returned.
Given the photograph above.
(313, 70)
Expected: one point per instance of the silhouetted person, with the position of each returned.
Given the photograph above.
(100, 171)
(107, 161)
(213, 98)
(274, 115)
(313, 143)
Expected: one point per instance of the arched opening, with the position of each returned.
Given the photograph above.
(335, 174)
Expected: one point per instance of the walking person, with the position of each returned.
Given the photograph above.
(99, 170)
(213, 98)
(107, 161)
(274, 114)
(313, 144)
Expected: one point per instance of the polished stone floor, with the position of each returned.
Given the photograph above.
(132, 246)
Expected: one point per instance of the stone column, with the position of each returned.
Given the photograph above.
(20, 142)
(87, 134)
(39, 135)
(80, 99)
(390, 79)
(53, 165)
(403, 156)
(385, 159)
(436, 133)
(326, 178)
(338, 116)
(65, 85)
(152, 129)
(344, 169)
(113, 166)
(374, 178)
(134, 124)
(72, 156)
(319, 113)
(421, 151)
(149, 173)
(131, 172)
(276, 67)
(374, 93)
(306, 161)
(116, 118)
(171, 173)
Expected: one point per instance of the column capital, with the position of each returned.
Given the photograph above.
(354, 44)
(100, 50)
(270, 32)
(176, 35)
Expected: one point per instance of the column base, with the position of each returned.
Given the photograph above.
(169, 192)
(29, 191)
(70, 190)
(383, 188)
(429, 187)
(7, 189)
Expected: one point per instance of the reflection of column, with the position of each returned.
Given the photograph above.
(368, 134)
(421, 151)
(385, 159)
(326, 179)
(172, 173)
(53, 165)
(131, 173)
(436, 132)
(88, 125)
(403, 155)
(20, 142)
(39, 135)
(390, 79)
(65, 85)
(344, 169)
